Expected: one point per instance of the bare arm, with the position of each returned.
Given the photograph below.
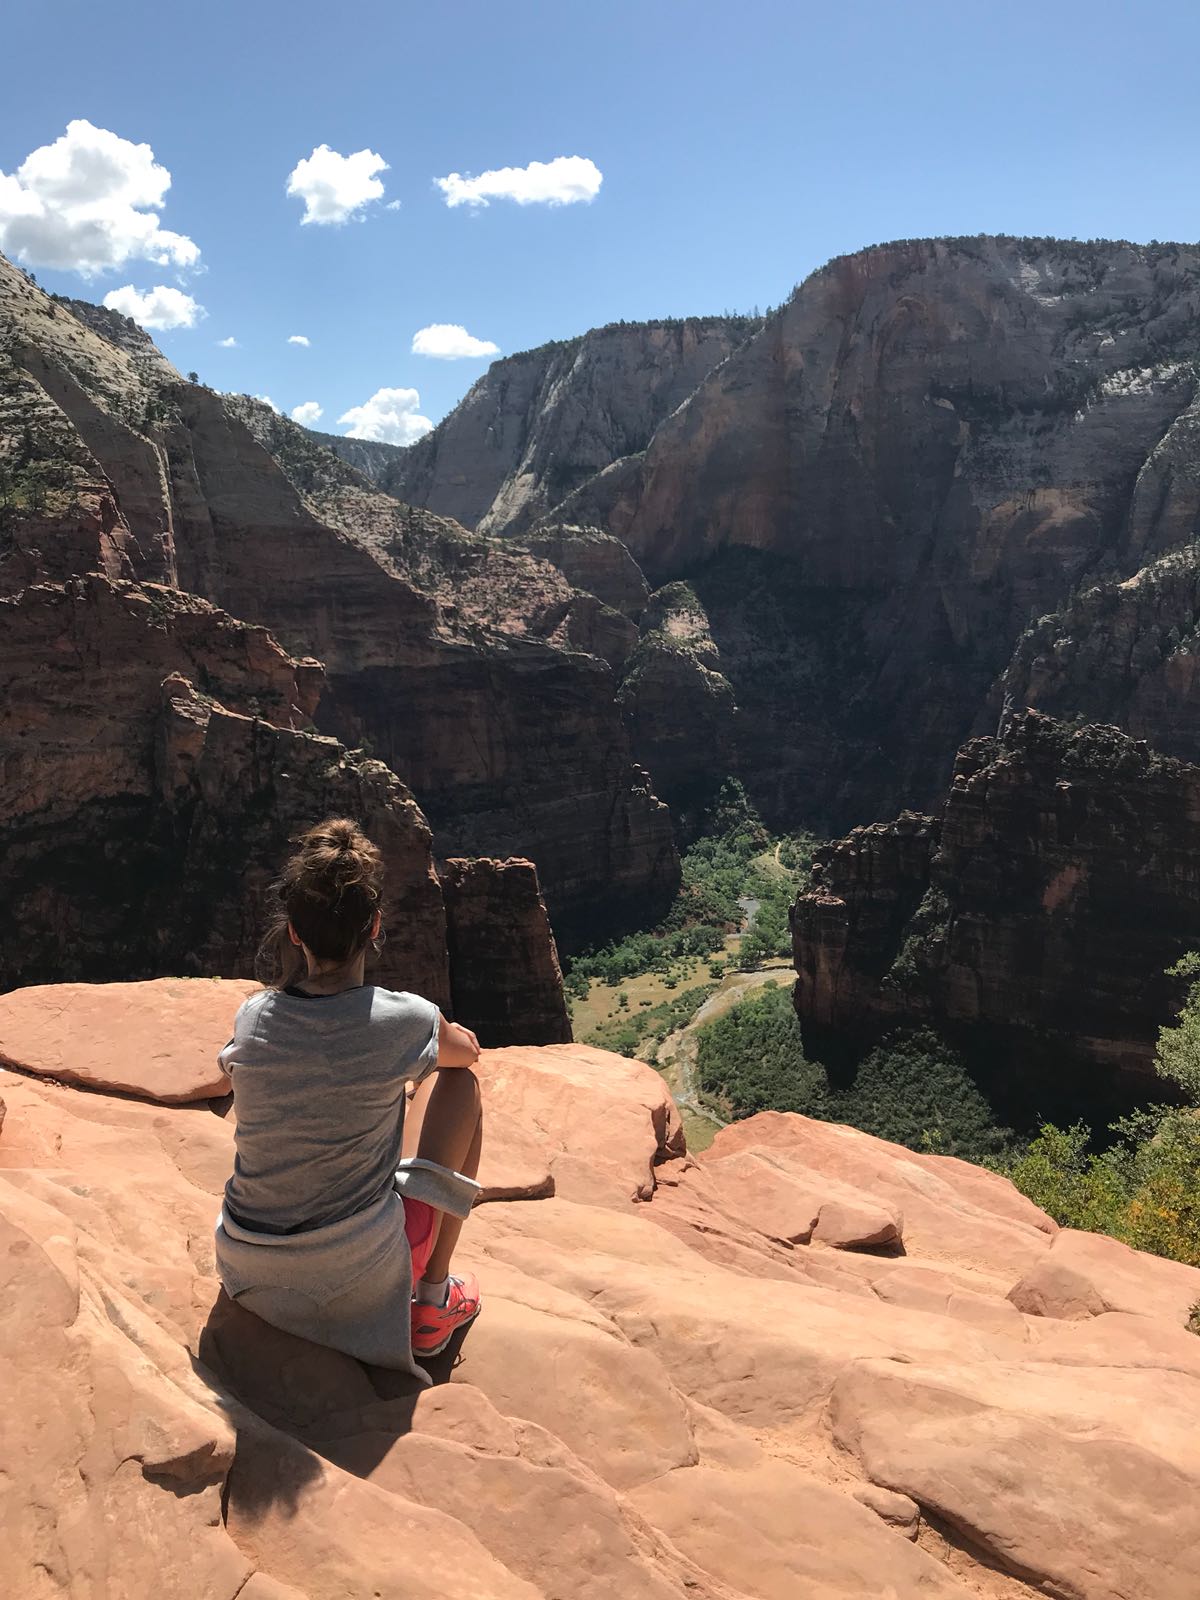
(457, 1046)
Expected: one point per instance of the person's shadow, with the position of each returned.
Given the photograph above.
(291, 1400)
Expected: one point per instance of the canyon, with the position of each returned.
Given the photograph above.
(819, 550)
(871, 494)
(168, 588)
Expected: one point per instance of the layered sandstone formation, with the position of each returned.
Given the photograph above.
(157, 761)
(1032, 919)
(869, 497)
(540, 423)
(505, 976)
(1121, 650)
(477, 674)
(690, 1378)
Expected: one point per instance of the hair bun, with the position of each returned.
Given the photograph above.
(343, 834)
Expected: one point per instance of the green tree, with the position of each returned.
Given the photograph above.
(1144, 1188)
(1178, 1055)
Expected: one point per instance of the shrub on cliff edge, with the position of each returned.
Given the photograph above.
(1145, 1188)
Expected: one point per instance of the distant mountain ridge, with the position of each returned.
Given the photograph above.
(540, 423)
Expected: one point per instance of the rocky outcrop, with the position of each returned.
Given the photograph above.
(613, 1423)
(478, 674)
(153, 1040)
(678, 706)
(1032, 919)
(155, 768)
(539, 424)
(506, 981)
(1122, 651)
(594, 561)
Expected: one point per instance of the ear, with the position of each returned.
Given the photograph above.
(294, 936)
(376, 925)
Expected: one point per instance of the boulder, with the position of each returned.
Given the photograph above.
(1086, 1274)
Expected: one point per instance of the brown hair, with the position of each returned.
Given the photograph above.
(329, 890)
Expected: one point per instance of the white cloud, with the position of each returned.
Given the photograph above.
(307, 414)
(159, 307)
(334, 187)
(390, 415)
(87, 204)
(298, 338)
(560, 182)
(450, 341)
(228, 344)
(393, 205)
(267, 401)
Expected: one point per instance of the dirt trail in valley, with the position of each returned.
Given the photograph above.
(676, 1058)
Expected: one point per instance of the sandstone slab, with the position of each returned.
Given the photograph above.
(152, 1039)
(659, 1400)
(1086, 1274)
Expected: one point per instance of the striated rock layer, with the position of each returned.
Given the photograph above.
(1033, 919)
(148, 801)
(540, 423)
(869, 497)
(986, 1407)
(477, 673)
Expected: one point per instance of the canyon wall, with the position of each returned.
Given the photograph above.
(1125, 651)
(1032, 919)
(157, 758)
(540, 423)
(930, 441)
(475, 672)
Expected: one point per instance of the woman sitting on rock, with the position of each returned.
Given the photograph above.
(338, 1202)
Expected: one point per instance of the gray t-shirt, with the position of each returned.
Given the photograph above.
(318, 1088)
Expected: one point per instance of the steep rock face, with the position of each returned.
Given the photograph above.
(677, 704)
(73, 467)
(930, 440)
(515, 746)
(458, 663)
(507, 984)
(978, 1414)
(593, 561)
(154, 770)
(1033, 919)
(538, 424)
(1123, 651)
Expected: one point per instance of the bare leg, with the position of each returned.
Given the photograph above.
(444, 1123)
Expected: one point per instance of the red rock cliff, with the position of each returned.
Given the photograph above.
(457, 663)
(1032, 919)
(505, 977)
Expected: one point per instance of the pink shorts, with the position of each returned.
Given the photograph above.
(420, 1227)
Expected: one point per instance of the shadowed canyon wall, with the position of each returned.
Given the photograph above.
(475, 671)
(1032, 919)
(872, 493)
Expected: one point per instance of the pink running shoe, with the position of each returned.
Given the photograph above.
(433, 1327)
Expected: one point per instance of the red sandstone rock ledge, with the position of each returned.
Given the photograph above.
(692, 1377)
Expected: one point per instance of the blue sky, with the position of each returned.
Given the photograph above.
(739, 147)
